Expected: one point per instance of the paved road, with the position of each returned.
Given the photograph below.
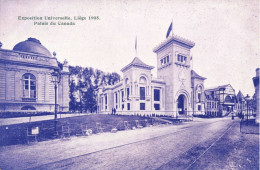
(202, 144)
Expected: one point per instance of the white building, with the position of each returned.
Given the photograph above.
(168, 94)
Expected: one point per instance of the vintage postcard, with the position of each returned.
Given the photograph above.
(169, 84)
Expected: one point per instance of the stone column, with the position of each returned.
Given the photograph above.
(256, 84)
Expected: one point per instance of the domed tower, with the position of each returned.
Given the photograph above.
(32, 45)
(26, 78)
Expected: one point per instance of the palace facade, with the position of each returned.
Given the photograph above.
(172, 92)
(26, 81)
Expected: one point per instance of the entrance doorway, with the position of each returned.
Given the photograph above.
(182, 104)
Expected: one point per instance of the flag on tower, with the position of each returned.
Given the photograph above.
(135, 43)
(169, 30)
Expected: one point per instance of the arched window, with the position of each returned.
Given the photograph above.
(29, 86)
(228, 99)
(126, 81)
(142, 80)
(199, 90)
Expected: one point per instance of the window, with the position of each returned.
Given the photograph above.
(181, 59)
(116, 97)
(142, 93)
(142, 106)
(123, 106)
(156, 95)
(199, 107)
(29, 86)
(165, 60)
(157, 106)
(228, 99)
(122, 96)
(127, 93)
(142, 80)
(199, 97)
(105, 99)
(128, 106)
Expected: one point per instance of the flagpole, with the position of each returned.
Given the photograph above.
(192, 62)
(136, 46)
(172, 26)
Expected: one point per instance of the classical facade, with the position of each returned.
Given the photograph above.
(26, 79)
(137, 92)
(170, 93)
(198, 96)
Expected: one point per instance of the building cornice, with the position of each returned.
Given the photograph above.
(27, 59)
(174, 38)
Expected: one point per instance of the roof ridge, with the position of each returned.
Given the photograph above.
(137, 62)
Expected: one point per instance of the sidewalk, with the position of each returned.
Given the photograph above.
(18, 120)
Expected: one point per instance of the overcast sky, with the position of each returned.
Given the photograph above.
(226, 33)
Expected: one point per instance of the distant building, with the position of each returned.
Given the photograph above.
(171, 93)
(26, 79)
(240, 106)
(220, 100)
(257, 94)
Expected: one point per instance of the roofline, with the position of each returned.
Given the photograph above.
(138, 66)
(218, 87)
(175, 38)
(28, 53)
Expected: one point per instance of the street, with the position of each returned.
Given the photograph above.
(201, 144)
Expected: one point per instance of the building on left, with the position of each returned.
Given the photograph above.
(26, 79)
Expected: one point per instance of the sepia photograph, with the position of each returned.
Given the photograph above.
(127, 84)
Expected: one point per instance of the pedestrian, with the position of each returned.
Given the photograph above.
(114, 110)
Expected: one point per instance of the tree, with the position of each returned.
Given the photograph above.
(73, 102)
(88, 79)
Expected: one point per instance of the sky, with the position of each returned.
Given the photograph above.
(225, 32)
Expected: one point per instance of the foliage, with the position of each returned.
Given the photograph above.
(84, 82)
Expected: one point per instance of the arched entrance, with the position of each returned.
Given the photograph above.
(182, 104)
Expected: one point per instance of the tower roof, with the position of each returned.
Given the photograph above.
(137, 63)
(195, 75)
(240, 96)
(174, 39)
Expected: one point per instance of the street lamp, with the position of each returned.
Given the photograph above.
(55, 80)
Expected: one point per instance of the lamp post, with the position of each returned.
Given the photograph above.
(247, 98)
(55, 80)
